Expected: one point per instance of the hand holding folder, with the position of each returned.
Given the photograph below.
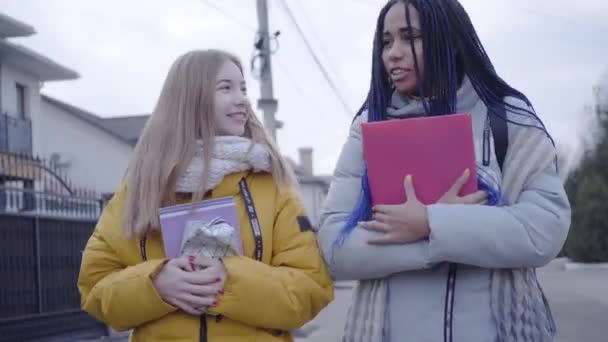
(434, 150)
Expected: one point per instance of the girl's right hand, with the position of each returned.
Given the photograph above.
(452, 197)
(190, 291)
(408, 222)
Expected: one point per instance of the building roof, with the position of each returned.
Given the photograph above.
(84, 115)
(124, 128)
(42, 67)
(127, 127)
(10, 27)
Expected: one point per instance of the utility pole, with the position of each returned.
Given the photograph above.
(267, 103)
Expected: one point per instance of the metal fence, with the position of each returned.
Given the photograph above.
(44, 226)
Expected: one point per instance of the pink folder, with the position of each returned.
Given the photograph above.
(434, 150)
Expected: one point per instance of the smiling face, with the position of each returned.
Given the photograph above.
(230, 102)
(397, 54)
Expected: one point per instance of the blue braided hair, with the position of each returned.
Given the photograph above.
(452, 49)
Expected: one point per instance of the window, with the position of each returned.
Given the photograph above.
(21, 101)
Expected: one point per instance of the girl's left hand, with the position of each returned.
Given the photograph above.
(401, 223)
(211, 273)
(209, 268)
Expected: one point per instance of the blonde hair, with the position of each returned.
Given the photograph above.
(183, 114)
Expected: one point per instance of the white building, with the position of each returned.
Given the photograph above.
(93, 155)
(22, 73)
(73, 139)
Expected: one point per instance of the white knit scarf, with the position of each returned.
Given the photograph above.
(231, 154)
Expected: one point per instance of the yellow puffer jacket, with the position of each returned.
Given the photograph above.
(262, 302)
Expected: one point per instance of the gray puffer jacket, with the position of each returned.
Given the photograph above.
(528, 233)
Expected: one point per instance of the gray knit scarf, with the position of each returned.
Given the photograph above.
(518, 305)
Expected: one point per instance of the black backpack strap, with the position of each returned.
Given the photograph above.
(500, 133)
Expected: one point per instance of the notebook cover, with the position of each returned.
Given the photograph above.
(434, 150)
(173, 220)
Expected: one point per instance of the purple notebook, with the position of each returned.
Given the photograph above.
(173, 220)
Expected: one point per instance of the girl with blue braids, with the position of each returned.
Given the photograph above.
(462, 269)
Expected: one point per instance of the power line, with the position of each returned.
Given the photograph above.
(228, 15)
(289, 77)
(316, 59)
(318, 39)
(295, 84)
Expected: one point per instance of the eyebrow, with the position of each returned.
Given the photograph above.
(415, 30)
(229, 81)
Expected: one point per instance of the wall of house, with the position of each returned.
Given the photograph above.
(92, 157)
(10, 76)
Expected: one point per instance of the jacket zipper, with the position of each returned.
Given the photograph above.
(203, 319)
(203, 335)
(448, 318)
(486, 142)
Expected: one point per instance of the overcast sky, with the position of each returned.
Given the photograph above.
(554, 51)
